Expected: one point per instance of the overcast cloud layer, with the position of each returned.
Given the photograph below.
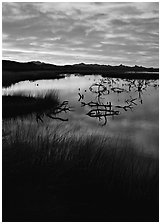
(68, 33)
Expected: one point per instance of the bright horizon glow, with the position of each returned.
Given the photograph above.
(63, 33)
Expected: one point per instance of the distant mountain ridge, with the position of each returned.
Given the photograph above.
(8, 65)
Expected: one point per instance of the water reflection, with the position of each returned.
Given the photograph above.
(101, 109)
(115, 106)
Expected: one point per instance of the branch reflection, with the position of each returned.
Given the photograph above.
(127, 88)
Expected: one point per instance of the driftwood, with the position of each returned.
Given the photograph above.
(101, 88)
(104, 87)
(96, 104)
(102, 113)
(118, 90)
(125, 107)
(81, 96)
(131, 101)
(52, 113)
(56, 118)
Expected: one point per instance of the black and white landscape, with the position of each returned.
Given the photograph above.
(80, 112)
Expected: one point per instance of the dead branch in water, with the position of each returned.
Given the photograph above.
(99, 112)
(63, 107)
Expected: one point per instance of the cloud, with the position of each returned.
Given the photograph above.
(101, 32)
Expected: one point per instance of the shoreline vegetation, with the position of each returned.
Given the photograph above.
(13, 72)
(49, 105)
(21, 106)
(56, 174)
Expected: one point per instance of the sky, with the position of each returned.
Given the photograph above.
(81, 32)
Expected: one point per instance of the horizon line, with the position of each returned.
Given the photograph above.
(79, 63)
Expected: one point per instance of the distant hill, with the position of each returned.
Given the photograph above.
(76, 68)
(13, 71)
(27, 66)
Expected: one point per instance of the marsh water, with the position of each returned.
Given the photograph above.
(123, 108)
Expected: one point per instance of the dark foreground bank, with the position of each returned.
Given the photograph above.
(19, 105)
(60, 176)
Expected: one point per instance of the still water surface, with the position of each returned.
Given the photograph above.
(117, 107)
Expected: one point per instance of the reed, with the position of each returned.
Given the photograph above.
(53, 173)
(19, 105)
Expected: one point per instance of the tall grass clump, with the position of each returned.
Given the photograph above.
(54, 174)
(19, 105)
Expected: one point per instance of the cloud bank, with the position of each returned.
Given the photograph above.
(68, 33)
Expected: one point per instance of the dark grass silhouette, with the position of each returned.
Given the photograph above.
(13, 71)
(19, 105)
(12, 77)
(57, 175)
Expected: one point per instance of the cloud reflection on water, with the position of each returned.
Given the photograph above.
(140, 125)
